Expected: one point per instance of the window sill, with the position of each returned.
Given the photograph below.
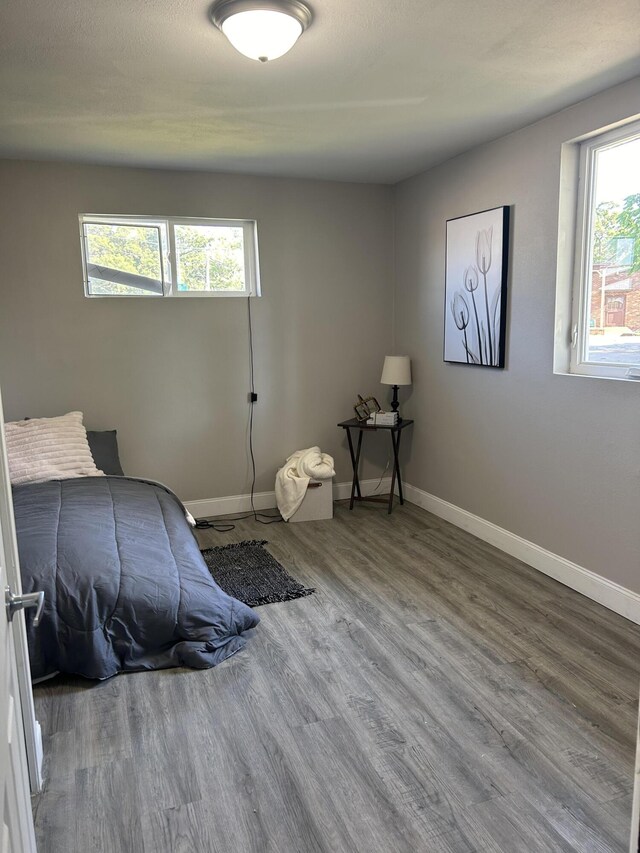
(626, 379)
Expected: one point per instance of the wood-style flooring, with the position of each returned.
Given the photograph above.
(433, 696)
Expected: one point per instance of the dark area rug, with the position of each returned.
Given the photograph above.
(249, 573)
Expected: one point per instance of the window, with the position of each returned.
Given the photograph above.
(606, 290)
(148, 256)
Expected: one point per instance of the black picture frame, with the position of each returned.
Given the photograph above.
(476, 288)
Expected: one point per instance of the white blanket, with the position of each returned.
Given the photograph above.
(293, 478)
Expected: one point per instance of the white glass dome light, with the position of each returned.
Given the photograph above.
(261, 30)
(262, 34)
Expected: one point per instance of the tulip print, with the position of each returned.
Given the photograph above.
(471, 282)
(484, 240)
(471, 279)
(460, 311)
(476, 288)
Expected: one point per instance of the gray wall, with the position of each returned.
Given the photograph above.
(172, 375)
(555, 459)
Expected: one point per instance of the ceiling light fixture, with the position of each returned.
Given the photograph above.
(261, 29)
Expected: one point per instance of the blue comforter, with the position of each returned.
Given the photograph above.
(125, 585)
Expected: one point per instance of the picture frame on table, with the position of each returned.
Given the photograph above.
(365, 407)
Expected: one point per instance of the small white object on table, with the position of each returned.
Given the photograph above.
(383, 419)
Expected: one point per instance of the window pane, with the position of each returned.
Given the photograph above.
(123, 260)
(614, 299)
(210, 257)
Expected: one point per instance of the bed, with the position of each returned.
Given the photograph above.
(126, 587)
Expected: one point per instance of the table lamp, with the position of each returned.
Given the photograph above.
(396, 371)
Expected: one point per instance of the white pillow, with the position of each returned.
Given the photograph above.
(49, 449)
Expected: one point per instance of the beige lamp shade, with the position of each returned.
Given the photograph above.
(396, 370)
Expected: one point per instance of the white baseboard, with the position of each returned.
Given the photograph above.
(230, 505)
(617, 598)
(233, 504)
(608, 593)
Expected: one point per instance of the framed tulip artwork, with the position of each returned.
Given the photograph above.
(475, 298)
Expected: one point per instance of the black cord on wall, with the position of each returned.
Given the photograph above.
(260, 517)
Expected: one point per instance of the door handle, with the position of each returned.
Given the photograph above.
(21, 602)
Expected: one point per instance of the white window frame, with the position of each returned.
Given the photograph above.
(169, 257)
(583, 271)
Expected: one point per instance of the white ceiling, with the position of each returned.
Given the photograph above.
(375, 90)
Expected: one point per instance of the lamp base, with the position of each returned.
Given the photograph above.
(395, 403)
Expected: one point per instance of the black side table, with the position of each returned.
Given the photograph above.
(395, 432)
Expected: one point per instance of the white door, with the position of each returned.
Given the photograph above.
(31, 727)
(634, 844)
(17, 821)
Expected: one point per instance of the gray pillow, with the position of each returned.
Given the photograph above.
(104, 449)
